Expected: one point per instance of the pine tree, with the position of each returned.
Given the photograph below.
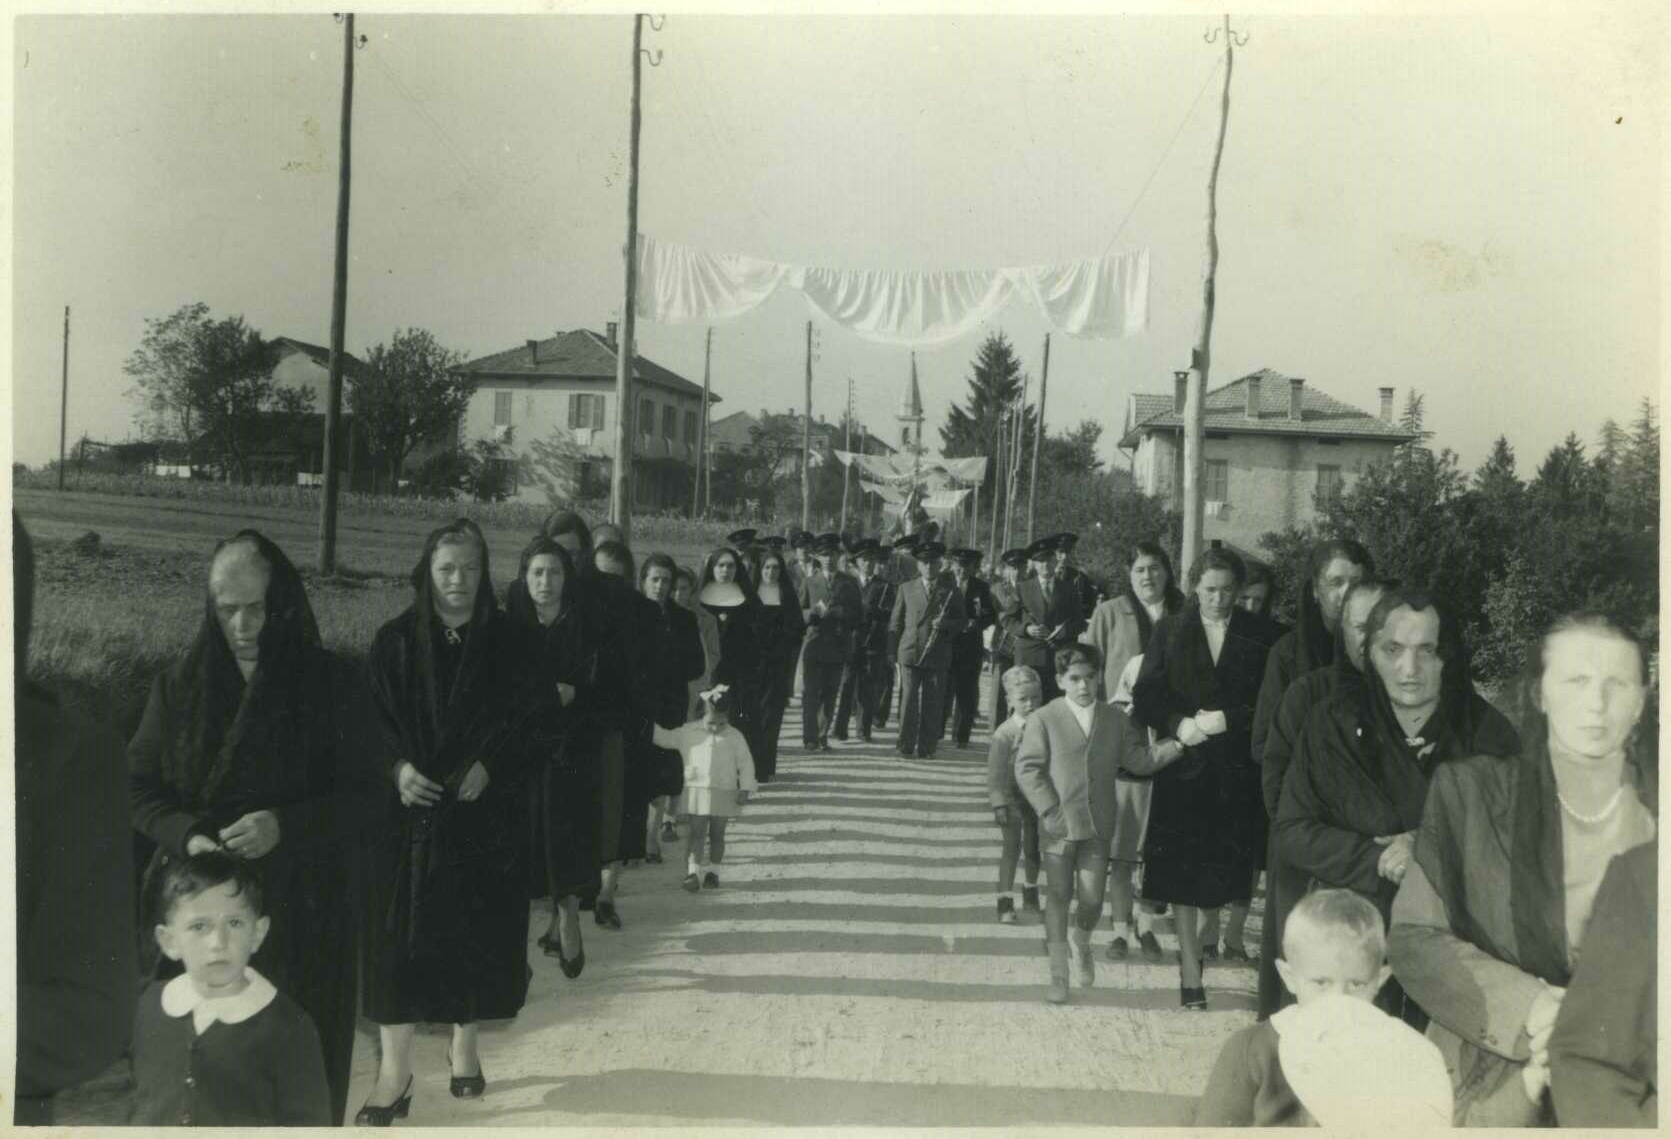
(1496, 477)
(994, 385)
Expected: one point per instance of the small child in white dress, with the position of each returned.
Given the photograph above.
(719, 777)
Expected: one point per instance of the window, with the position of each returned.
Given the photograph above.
(1218, 480)
(670, 423)
(586, 411)
(690, 427)
(646, 418)
(501, 409)
(1328, 483)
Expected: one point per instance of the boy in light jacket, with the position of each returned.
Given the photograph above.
(1070, 752)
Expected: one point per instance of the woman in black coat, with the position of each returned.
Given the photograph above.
(727, 595)
(675, 660)
(782, 630)
(446, 917)
(249, 744)
(1199, 679)
(565, 809)
(1353, 795)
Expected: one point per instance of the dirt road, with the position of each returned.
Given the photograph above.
(849, 971)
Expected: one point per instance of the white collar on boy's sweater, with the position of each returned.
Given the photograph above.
(1082, 715)
(180, 997)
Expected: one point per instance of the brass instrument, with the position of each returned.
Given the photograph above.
(933, 640)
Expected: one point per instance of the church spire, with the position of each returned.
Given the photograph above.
(910, 414)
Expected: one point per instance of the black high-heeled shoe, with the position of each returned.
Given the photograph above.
(604, 914)
(370, 1116)
(571, 966)
(466, 1087)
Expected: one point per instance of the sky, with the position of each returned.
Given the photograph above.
(1464, 204)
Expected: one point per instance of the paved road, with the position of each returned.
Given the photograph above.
(849, 971)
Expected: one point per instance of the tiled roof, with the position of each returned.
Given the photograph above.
(735, 430)
(351, 364)
(1320, 413)
(580, 354)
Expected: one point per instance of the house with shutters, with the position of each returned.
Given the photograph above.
(562, 389)
(1275, 448)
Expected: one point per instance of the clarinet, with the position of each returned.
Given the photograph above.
(933, 640)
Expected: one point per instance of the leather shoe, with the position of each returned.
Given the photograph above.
(467, 1087)
(370, 1116)
(1193, 999)
(604, 914)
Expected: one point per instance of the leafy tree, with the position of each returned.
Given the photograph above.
(557, 464)
(995, 382)
(409, 391)
(162, 368)
(1073, 453)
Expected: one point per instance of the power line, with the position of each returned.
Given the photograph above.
(1163, 155)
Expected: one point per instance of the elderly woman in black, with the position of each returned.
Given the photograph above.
(249, 745)
(446, 917)
(565, 809)
(1354, 791)
(1494, 908)
(1197, 685)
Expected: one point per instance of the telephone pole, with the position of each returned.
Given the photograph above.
(702, 430)
(1195, 390)
(806, 439)
(620, 511)
(64, 399)
(847, 444)
(1038, 440)
(339, 315)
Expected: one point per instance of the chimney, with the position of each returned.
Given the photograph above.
(1180, 385)
(1296, 394)
(533, 351)
(609, 333)
(1386, 404)
(1253, 397)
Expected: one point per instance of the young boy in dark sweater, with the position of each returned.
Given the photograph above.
(1333, 1059)
(218, 1046)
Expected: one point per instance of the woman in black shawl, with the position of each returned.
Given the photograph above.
(676, 660)
(446, 938)
(727, 595)
(565, 812)
(1495, 905)
(250, 744)
(1284, 885)
(1197, 684)
(782, 630)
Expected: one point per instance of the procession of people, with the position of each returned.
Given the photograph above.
(333, 842)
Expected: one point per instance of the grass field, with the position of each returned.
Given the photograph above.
(106, 624)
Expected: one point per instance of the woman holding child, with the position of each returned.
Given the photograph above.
(249, 748)
(446, 917)
(1492, 912)
(1196, 688)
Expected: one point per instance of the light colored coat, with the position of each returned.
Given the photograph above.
(1068, 776)
(1114, 631)
(721, 763)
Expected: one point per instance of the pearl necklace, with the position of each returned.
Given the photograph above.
(1599, 816)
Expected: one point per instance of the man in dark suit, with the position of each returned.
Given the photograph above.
(899, 568)
(1049, 617)
(968, 650)
(830, 603)
(871, 668)
(927, 615)
(1073, 577)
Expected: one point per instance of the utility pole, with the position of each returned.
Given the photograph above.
(339, 315)
(702, 429)
(847, 445)
(806, 439)
(620, 506)
(1038, 441)
(64, 399)
(1195, 391)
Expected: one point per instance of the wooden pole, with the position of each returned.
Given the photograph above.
(806, 439)
(1195, 391)
(64, 399)
(702, 430)
(339, 314)
(1038, 441)
(997, 485)
(847, 445)
(620, 504)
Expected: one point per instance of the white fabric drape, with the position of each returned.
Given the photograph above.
(1098, 298)
(906, 470)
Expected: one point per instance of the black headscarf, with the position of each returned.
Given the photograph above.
(1313, 646)
(744, 579)
(519, 606)
(225, 716)
(561, 522)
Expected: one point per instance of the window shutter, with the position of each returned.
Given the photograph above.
(575, 419)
